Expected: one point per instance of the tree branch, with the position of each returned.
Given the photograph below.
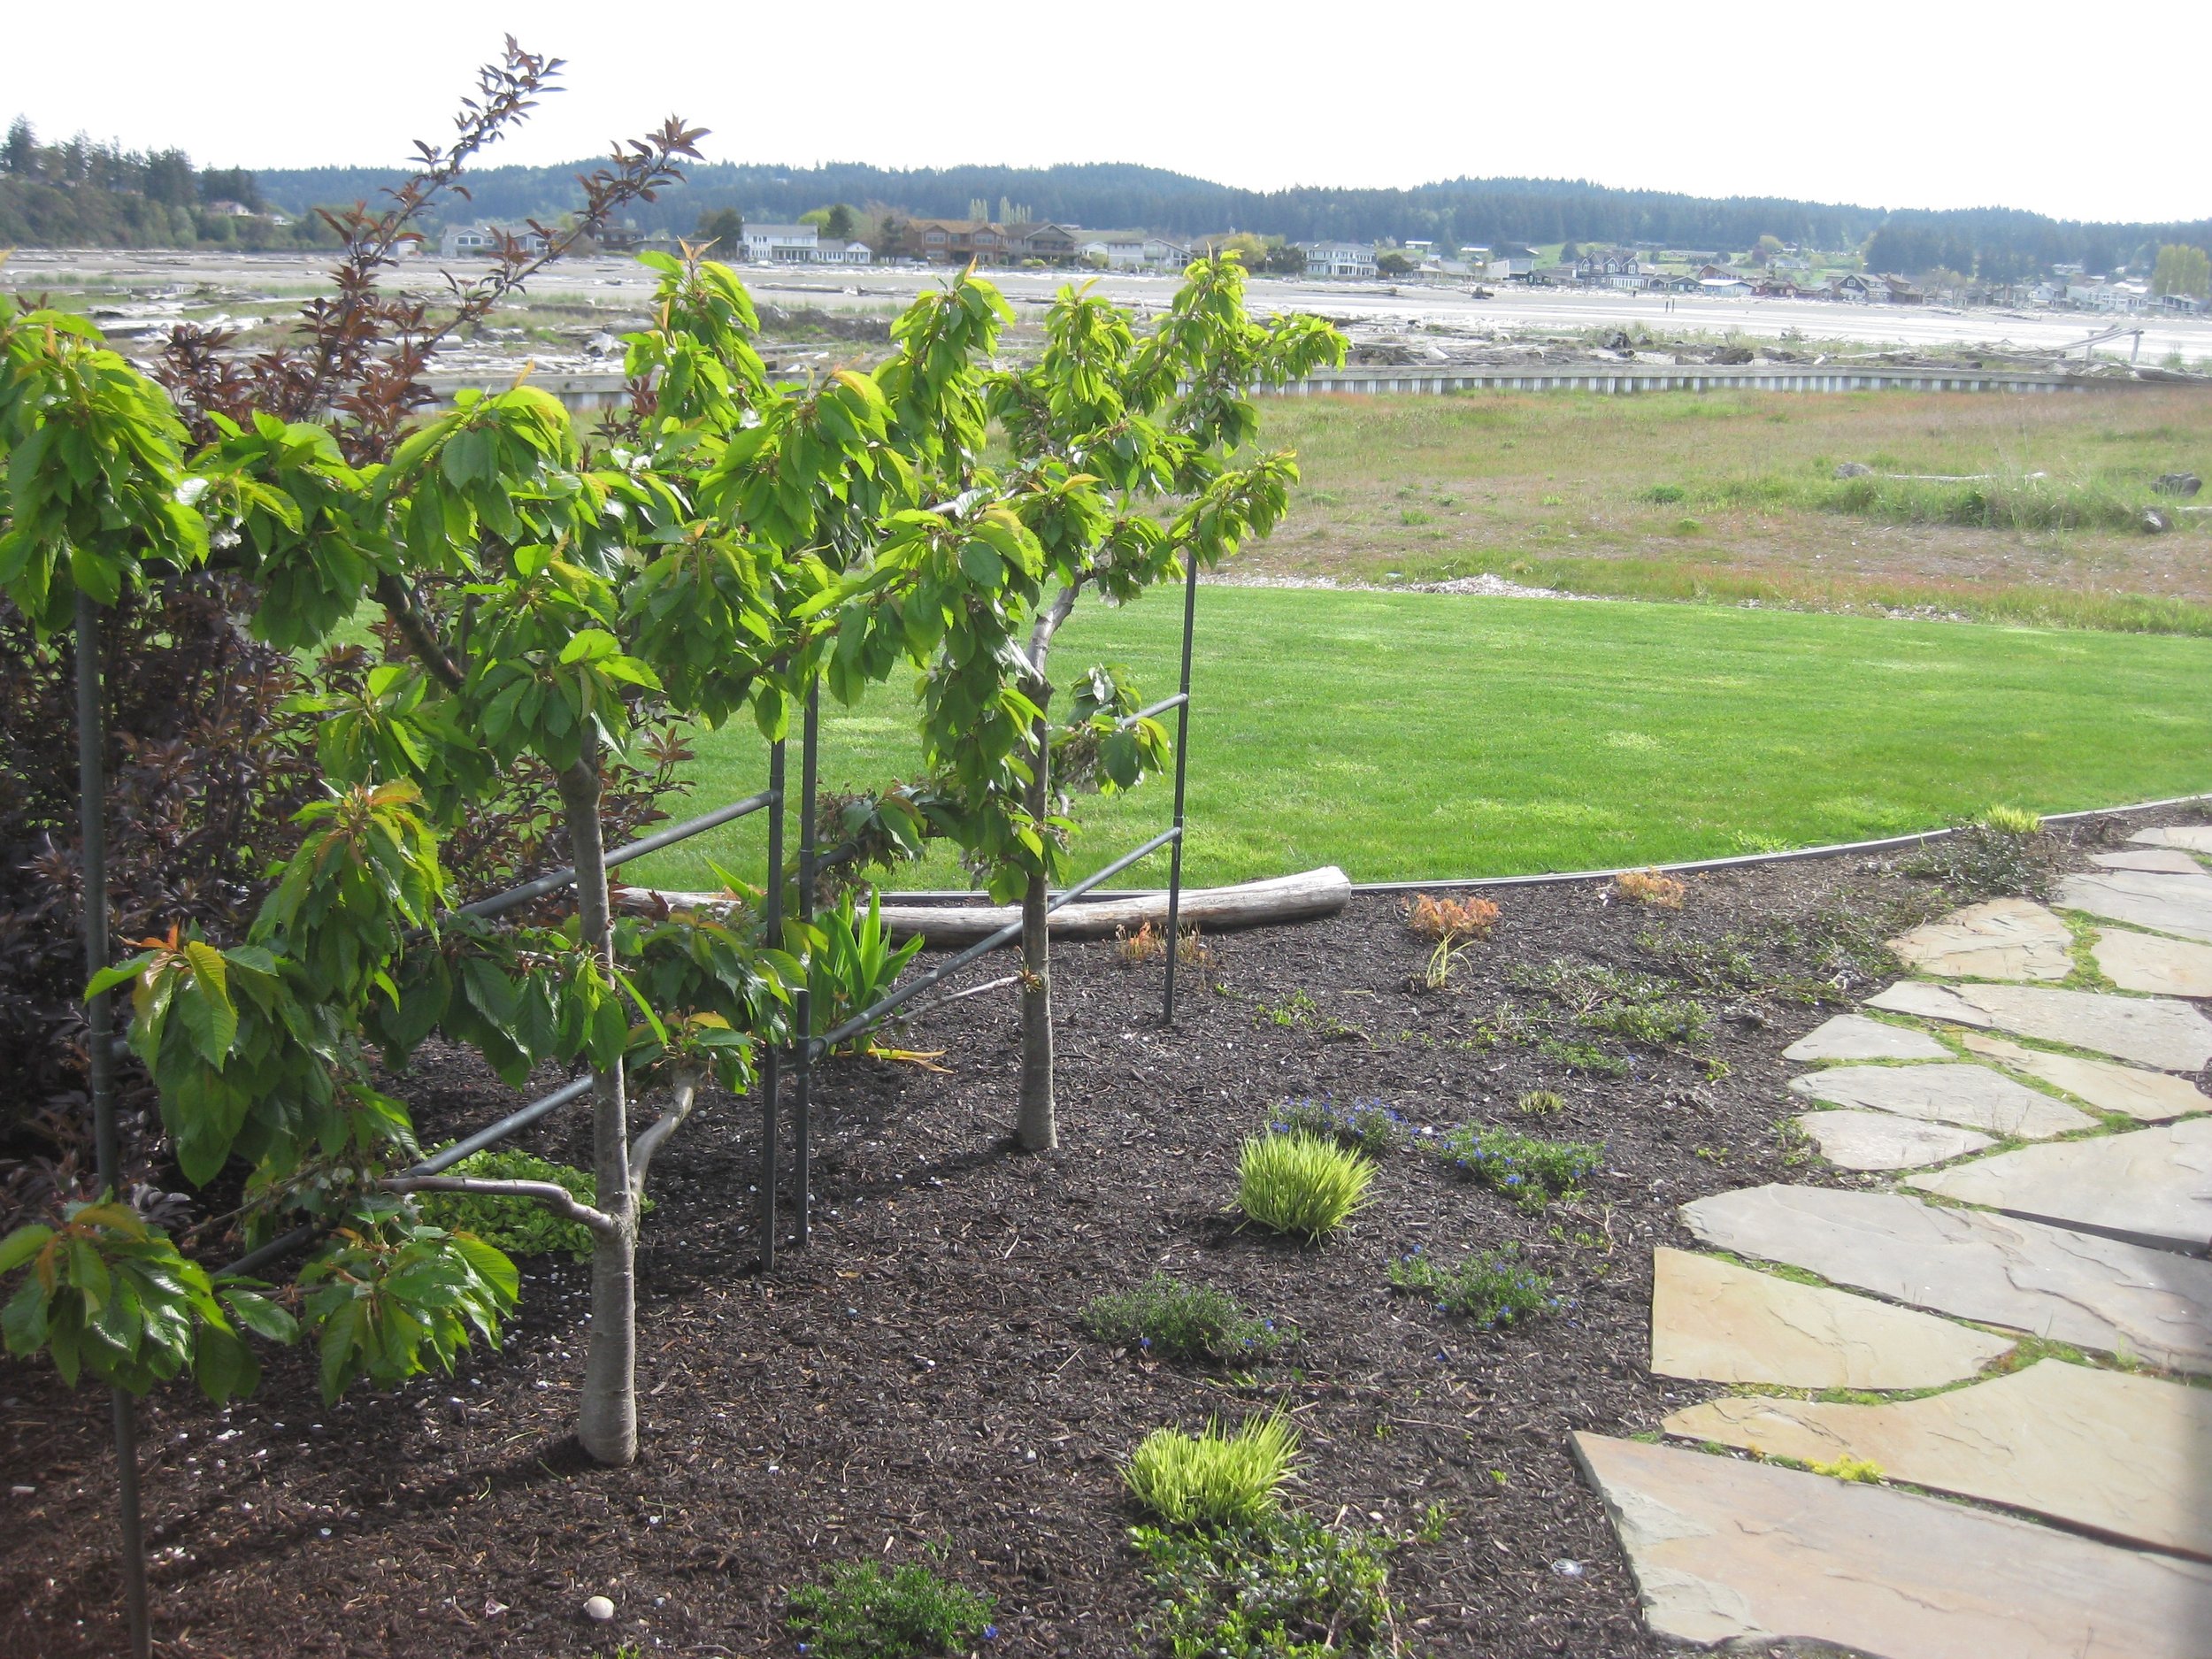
(391, 593)
(558, 1199)
(651, 1141)
(1049, 621)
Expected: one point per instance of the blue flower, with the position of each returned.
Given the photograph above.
(990, 1633)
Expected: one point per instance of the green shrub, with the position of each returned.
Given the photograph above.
(1665, 495)
(1369, 1126)
(1292, 1589)
(856, 1612)
(2011, 821)
(1530, 1171)
(1300, 1184)
(1541, 1102)
(1492, 1288)
(1217, 1477)
(1170, 1319)
(520, 1226)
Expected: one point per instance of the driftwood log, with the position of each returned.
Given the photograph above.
(1302, 897)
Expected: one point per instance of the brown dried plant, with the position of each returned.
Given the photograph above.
(1450, 920)
(1648, 886)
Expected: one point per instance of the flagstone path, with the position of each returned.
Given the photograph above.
(2053, 1239)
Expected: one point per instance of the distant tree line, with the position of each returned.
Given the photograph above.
(1995, 244)
(85, 193)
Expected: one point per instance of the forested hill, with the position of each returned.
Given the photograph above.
(1462, 212)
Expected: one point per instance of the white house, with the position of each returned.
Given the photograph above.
(2100, 296)
(1725, 288)
(1338, 258)
(781, 244)
(1128, 251)
(481, 242)
(1510, 270)
(844, 253)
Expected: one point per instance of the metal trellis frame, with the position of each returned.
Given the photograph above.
(809, 1049)
(770, 800)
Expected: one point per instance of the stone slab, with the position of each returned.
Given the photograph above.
(2145, 961)
(2119, 1454)
(1853, 1139)
(2164, 860)
(1855, 1037)
(2172, 904)
(1726, 1550)
(2153, 1186)
(1719, 1322)
(2150, 1031)
(2076, 1288)
(2107, 1085)
(2003, 939)
(2196, 838)
(1958, 1092)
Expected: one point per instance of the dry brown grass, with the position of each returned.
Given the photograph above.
(1449, 921)
(1648, 886)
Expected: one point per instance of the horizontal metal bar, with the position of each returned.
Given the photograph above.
(500, 902)
(432, 1165)
(510, 1124)
(1151, 709)
(869, 1017)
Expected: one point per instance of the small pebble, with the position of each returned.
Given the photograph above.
(1567, 1569)
(599, 1609)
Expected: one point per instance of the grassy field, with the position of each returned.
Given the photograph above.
(1732, 496)
(1417, 734)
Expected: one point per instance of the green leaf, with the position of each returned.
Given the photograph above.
(261, 1316)
(21, 1245)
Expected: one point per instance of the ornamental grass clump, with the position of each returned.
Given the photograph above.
(1530, 1171)
(1166, 1318)
(1217, 1478)
(1300, 1183)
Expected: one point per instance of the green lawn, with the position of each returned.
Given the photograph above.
(1411, 735)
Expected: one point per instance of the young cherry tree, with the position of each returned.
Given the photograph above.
(1129, 461)
(691, 572)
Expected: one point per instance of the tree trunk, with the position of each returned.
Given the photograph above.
(1036, 1123)
(1036, 1126)
(607, 1425)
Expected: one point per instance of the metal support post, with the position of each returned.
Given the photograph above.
(802, 1060)
(1182, 756)
(772, 1062)
(100, 1079)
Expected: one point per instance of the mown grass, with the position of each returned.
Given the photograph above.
(1403, 736)
(2024, 508)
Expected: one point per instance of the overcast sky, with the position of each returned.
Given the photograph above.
(2085, 115)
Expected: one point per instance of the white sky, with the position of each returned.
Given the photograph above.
(2067, 111)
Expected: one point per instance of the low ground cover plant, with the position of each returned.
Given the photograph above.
(1217, 1477)
(1369, 1126)
(859, 1611)
(1490, 1288)
(1531, 1172)
(520, 1226)
(1541, 1102)
(1292, 1589)
(1636, 1008)
(1169, 1318)
(1984, 858)
(1300, 1184)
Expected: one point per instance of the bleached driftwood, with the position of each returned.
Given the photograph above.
(1303, 897)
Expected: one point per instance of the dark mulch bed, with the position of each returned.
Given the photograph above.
(915, 1379)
